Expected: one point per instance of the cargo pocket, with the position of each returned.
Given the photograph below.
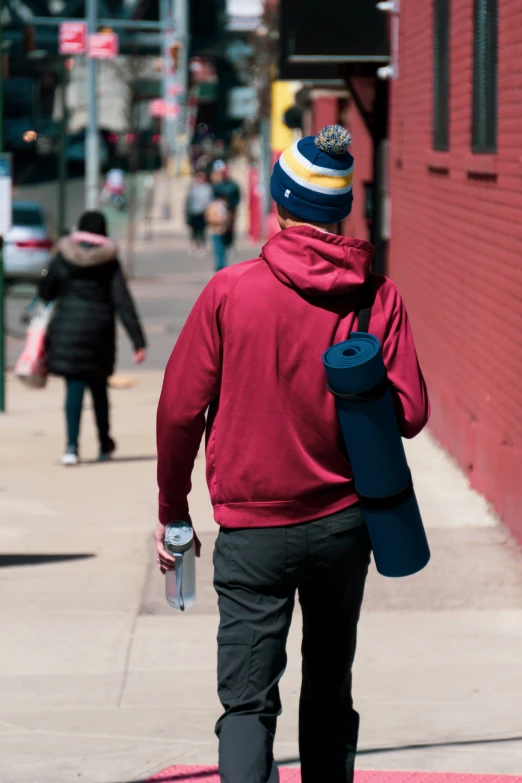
(234, 655)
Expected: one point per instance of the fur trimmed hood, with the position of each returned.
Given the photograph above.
(86, 250)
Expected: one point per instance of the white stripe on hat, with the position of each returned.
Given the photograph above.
(318, 169)
(308, 185)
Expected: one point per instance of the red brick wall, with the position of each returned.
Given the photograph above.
(325, 111)
(362, 151)
(456, 250)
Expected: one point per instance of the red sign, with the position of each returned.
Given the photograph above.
(156, 108)
(174, 90)
(103, 46)
(160, 108)
(73, 38)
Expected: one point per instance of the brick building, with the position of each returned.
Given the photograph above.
(455, 250)
(455, 170)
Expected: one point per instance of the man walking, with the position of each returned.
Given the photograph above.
(226, 188)
(249, 358)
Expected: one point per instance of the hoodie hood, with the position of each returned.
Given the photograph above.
(316, 263)
(87, 254)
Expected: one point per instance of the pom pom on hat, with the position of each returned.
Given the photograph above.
(334, 140)
(313, 178)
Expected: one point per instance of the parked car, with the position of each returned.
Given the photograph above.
(48, 143)
(28, 244)
(111, 139)
(147, 143)
(76, 150)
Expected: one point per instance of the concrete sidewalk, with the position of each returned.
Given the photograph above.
(99, 680)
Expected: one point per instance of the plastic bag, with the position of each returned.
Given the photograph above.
(31, 367)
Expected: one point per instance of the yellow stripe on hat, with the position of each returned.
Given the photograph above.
(314, 177)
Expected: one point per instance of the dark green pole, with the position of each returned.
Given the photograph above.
(2, 329)
(2, 292)
(62, 164)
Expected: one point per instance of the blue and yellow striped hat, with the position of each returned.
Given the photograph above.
(313, 178)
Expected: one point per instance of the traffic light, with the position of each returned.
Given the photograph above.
(30, 38)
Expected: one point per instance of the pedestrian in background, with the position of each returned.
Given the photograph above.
(217, 217)
(225, 187)
(237, 143)
(198, 198)
(86, 281)
(247, 368)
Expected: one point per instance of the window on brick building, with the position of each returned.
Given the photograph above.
(441, 75)
(485, 65)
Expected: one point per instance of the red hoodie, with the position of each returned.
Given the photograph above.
(250, 353)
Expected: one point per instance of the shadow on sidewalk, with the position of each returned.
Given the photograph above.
(419, 746)
(428, 745)
(145, 458)
(211, 773)
(12, 561)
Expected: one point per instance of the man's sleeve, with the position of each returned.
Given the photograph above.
(408, 387)
(192, 381)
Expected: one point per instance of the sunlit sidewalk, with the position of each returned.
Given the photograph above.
(100, 678)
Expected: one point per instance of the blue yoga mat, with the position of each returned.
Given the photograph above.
(376, 453)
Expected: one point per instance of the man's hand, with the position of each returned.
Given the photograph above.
(164, 559)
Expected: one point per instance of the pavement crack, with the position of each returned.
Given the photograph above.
(128, 656)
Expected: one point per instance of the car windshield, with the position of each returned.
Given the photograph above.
(27, 216)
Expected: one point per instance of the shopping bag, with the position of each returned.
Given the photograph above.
(31, 367)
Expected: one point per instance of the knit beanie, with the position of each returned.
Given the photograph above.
(93, 222)
(313, 178)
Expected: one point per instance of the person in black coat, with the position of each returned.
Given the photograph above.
(86, 280)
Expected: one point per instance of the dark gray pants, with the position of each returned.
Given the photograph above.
(257, 573)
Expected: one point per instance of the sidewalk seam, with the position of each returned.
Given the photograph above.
(132, 634)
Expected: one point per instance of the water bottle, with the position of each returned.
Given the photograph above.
(180, 584)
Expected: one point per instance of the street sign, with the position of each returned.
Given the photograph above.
(242, 102)
(160, 108)
(156, 107)
(103, 46)
(243, 15)
(73, 38)
(169, 108)
(6, 194)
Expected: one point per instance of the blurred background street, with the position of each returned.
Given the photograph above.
(128, 107)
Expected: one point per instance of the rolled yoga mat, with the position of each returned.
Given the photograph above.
(357, 377)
